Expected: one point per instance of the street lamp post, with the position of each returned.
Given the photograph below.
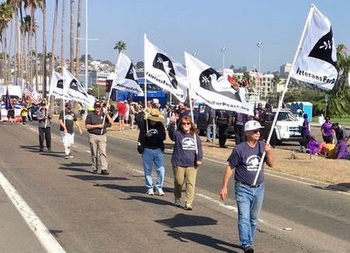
(259, 88)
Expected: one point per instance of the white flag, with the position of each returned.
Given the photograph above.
(58, 87)
(76, 92)
(213, 89)
(125, 77)
(164, 72)
(317, 56)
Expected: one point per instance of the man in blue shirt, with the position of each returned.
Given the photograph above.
(245, 159)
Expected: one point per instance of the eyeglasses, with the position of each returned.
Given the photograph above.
(186, 123)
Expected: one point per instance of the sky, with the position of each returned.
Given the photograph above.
(204, 27)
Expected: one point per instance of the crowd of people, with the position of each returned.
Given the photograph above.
(154, 122)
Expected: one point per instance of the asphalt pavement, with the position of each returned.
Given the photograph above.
(94, 213)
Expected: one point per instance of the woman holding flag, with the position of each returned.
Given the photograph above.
(187, 156)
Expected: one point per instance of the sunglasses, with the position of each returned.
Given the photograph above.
(186, 123)
(256, 131)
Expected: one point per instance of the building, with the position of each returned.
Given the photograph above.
(285, 70)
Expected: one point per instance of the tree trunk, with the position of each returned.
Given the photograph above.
(71, 44)
(36, 62)
(30, 49)
(77, 48)
(8, 75)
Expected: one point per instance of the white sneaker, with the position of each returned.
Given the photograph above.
(150, 192)
(188, 207)
(160, 192)
(177, 202)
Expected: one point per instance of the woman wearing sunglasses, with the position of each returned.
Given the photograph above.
(187, 156)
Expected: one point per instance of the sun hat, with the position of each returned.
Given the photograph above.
(155, 115)
(252, 125)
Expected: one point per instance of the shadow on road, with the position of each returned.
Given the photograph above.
(205, 240)
(97, 177)
(344, 187)
(152, 200)
(73, 166)
(185, 220)
(130, 188)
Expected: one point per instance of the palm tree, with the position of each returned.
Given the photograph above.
(6, 13)
(77, 46)
(339, 101)
(120, 46)
(32, 5)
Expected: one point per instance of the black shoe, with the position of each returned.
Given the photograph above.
(94, 172)
(223, 146)
(104, 172)
(249, 249)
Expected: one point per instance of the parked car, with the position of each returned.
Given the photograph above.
(34, 109)
(288, 127)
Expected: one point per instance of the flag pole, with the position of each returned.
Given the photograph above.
(145, 79)
(192, 117)
(191, 108)
(284, 91)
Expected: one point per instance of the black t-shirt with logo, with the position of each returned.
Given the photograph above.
(94, 119)
(69, 118)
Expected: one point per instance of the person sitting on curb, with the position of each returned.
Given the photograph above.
(313, 146)
(187, 156)
(342, 149)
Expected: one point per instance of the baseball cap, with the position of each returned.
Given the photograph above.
(252, 125)
(98, 104)
(68, 105)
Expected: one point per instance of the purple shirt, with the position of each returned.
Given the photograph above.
(245, 160)
(313, 146)
(342, 149)
(327, 129)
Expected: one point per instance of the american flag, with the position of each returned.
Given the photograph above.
(30, 92)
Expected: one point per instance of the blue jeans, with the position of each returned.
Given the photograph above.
(150, 157)
(249, 202)
(209, 131)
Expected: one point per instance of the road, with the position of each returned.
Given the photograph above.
(94, 213)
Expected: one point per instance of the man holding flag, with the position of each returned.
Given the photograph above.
(245, 160)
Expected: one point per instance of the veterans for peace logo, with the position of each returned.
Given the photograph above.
(163, 63)
(188, 144)
(323, 49)
(253, 163)
(211, 80)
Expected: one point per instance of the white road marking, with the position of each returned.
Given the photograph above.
(220, 203)
(39, 229)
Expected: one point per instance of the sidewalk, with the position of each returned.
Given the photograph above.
(16, 236)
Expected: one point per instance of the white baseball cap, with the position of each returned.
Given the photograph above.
(252, 125)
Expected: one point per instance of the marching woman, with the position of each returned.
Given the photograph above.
(187, 156)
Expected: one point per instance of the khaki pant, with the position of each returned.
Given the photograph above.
(98, 144)
(185, 175)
